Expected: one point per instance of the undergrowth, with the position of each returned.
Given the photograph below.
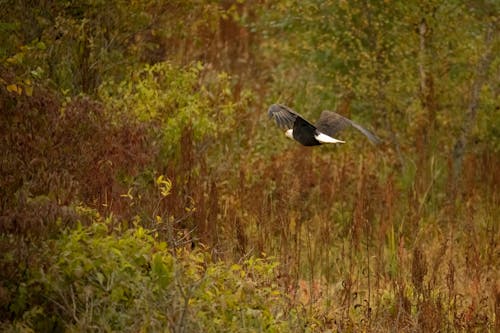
(93, 278)
(142, 187)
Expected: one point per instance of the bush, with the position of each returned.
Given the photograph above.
(91, 278)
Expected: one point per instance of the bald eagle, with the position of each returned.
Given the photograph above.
(328, 125)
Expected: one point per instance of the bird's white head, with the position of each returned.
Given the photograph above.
(289, 133)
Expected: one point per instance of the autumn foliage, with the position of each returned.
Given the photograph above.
(143, 188)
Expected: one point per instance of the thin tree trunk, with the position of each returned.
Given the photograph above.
(427, 93)
(471, 114)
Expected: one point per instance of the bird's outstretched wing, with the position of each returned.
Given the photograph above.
(283, 115)
(331, 123)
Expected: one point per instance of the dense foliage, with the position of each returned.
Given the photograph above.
(142, 187)
(90, 279)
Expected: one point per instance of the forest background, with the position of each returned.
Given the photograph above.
(143, 187)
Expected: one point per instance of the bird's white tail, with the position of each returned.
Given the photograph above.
(323, 138)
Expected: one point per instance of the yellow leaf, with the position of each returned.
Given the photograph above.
(28, 90)
(236, 267)
(14, 88)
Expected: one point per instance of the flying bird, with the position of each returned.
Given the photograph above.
(327, 126)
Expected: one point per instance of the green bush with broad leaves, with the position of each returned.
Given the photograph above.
(129, 282)
(176, 99)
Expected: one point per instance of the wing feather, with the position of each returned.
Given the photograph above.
(283, 115)
(331, 123)
(280, 120)
(372, 137)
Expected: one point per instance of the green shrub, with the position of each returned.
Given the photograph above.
(175, 98)
(92, 279)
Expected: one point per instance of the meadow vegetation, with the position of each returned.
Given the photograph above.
(143, 188)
